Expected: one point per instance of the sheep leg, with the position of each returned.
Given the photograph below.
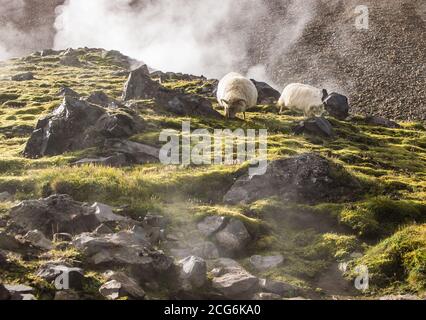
(244, 115)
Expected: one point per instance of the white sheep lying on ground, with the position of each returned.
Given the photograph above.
(236, 93)
(304, 98)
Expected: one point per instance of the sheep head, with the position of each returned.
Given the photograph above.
(233, 107)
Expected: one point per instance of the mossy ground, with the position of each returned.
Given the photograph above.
(390, 163)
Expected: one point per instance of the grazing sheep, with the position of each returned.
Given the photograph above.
(235, 94)
(302, 97)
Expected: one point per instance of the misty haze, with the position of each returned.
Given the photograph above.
(212, 150)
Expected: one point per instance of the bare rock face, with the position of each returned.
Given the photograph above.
(76, 125)
(307, 178)
(267, 94)
(55, 214)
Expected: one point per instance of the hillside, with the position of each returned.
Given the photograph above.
(356, 197)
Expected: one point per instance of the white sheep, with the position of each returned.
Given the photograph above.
(236, 93)
(304, 98)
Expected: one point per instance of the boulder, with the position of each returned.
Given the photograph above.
(77, 125)
(65, 91)
(140, 86)
(38, 239)
(104, 213)
(9, 243)
(23, 76)
(210, 225)
(266, 94)
(382, 122)
(234, 237)
(318, 126)
(20, 292)
(233, 281)
(277, 287)
(337, 106)
(121, 286)
(135, 152)
(264, 263)
(306, 178)
(70, 278)
(55, 214)
(193, 271)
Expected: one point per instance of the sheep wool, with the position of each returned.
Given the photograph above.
(303, 98)
(236, 94)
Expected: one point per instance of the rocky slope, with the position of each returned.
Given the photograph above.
(82, 193)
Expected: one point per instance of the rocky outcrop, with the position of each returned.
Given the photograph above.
(307, 178)
(76, 125)
(141, 86)
(56, 214)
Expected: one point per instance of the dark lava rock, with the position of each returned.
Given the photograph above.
(23, 77)
(4, 293)
(101, 99)
(307, 178)
(315, 126)
(134, 152)
(139, 85)
(337, 105)
(382, 122)
(77, 125)
(55, 214)
(266, 94)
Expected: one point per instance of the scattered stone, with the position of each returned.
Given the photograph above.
(167, 76)
(117, 160)
(306, 178)
(264, 263)
(188, 105)
(119, 286)
(382, 122)
(233, 281)
(264, 296)
(315, 126)
(18, 289)
(37, 239)
(210, 225)
(267, 94)
(55, 214)
(5, 196)
(27, 297)
(337, 105)
(23, 77)
(194, 271)
(70, 278)
(277, 287)
(234, 237)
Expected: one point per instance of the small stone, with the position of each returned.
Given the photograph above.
(194, 270)
(66, 295)
(234, 237)
(120, 286)
(37, 239)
